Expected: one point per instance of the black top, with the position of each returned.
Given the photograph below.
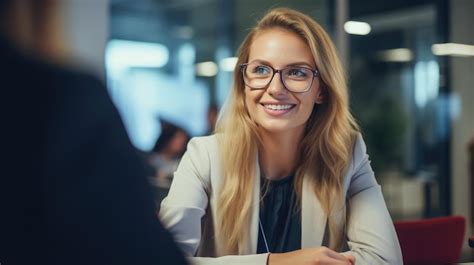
(280, 217)
(72, 188)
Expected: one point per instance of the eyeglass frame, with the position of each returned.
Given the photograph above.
(275, 71)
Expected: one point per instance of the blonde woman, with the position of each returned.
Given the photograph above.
(286, 178)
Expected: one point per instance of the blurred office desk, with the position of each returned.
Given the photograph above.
(409, 196)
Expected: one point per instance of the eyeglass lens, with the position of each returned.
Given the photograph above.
(296, 79)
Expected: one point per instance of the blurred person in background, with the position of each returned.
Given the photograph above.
(167, 152)
(72, 189)
(165, 157)
(286, 178)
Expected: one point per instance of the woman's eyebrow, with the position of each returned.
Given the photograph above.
(306, 64)
(261, 61)
(301, 63)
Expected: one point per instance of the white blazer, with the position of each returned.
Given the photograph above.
(369, 231)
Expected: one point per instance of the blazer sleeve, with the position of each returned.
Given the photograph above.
(370, 231)
(182, 210)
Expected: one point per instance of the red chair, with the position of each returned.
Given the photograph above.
(431, 241)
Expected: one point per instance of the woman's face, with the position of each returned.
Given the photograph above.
(274, 108)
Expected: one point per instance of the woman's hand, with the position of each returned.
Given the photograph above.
(311, 256)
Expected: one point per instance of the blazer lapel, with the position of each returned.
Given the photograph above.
(313, 218)
(253, 240)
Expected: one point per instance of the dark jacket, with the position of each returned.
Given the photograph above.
(72, 188)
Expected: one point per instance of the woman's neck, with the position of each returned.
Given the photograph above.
(278, 153)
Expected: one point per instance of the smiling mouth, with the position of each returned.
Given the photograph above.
(278, 107)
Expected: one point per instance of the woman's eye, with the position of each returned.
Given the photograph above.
(296, 73)
(261, 70)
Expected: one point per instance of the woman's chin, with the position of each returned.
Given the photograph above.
(279, 127)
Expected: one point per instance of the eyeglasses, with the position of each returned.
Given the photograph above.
(296, 79)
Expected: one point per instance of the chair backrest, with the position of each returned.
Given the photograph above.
(431, 241)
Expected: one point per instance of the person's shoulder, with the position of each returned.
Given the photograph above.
(359, 149)
(58, 80)
(75, 82)
(359, 144)
(72, 89)
(208, 140)
(59, 74)
(32, 66)
(203, 147)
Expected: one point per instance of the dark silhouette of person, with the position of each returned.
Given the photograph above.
(72, 189)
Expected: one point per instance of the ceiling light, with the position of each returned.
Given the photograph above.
(395, 55)
(357, 27)
(121, 54)
(453, 49)
(228, 64)
(206, 69)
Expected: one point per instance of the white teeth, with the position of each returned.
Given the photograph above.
(277, 107)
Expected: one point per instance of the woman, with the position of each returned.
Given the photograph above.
(287, 171)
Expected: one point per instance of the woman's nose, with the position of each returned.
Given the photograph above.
(276, 88)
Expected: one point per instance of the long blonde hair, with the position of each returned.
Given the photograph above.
(325, 148)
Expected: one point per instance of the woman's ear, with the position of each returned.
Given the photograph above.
(320, 96)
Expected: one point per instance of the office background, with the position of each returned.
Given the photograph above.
(410, 79)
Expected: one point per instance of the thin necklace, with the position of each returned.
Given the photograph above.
(263, 234)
